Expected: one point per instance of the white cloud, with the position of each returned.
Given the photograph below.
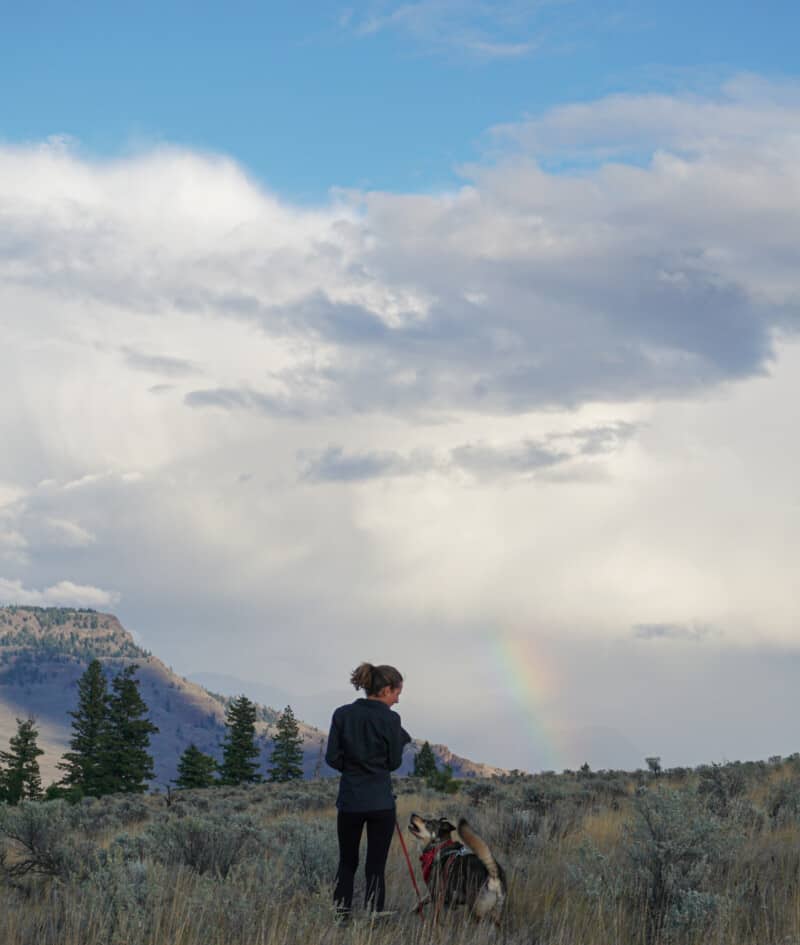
(62, 594)
(522, 290)
(746, 113)
(552, 407)
(484, 31)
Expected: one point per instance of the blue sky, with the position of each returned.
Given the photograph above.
(417, 333)
(309, 96)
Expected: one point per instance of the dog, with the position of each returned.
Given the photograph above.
(458, 867)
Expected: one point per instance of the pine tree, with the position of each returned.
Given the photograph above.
(19, 777)
(195, 769)
(443, 780)
(82, 764)
(287, 755)
(239, 750)
(425, 762)
(125, 763)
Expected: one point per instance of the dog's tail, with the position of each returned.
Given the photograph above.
(480, 848)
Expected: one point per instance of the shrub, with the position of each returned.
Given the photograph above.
(664, 867)
(671, 850)
(312, 849)
(408, 785)
(598, 875)
(39, 838)
(720, 785)
(123, 898)
(305, 800)
(206, 844)
(542, 797)
(518, 830)
(783, 802)
(478, 792)
(528, 829)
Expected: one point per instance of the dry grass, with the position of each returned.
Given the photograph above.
(141, 900)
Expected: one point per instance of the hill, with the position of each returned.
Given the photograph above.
(44, 651)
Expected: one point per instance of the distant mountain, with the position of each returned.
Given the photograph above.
(44, 651)
(232, 686)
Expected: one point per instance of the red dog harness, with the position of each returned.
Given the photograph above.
(444, 850)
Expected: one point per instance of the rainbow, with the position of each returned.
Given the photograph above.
(529, 676)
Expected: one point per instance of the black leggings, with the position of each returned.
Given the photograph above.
(380, 827)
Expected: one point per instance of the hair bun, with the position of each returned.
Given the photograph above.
(373, 679)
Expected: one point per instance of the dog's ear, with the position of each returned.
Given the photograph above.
(446, 829)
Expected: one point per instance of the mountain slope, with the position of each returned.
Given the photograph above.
(44, 651)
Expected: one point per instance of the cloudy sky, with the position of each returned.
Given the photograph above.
(456, 335)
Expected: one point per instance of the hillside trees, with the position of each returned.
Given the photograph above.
(287, 754)
(196, 769)
(82, 765)
(110, 736)
(424, 762)
(125, 763)
(425, 767)
(442, 780)
(239, 750)
(19, 767)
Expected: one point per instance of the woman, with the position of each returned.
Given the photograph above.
(366, 743)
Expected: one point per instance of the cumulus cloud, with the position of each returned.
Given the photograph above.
(521, 290)
(745, 113)
(551, 405)
(62, 594)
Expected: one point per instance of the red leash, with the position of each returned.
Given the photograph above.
(410, 867)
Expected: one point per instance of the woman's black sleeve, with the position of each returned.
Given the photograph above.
(398, 739)
(334, 754)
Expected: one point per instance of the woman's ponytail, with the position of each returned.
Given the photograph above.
(373, 679)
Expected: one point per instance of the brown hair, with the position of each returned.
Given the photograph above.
(374, 678)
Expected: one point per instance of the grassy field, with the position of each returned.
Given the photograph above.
(711, 855)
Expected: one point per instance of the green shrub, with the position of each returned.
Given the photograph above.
(204, 843)
(308, 850)
(478, 792)
(38, 839)
(671, 850)
(442, 780)
(665, 867)
(783, 802)
(720, 785)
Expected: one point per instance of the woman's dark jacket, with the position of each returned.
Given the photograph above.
(365, 743)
